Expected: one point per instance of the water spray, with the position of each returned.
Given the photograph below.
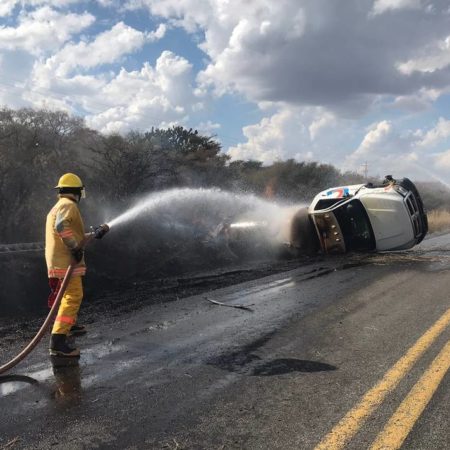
(248, 224)
(183, 208)
(431, 174)
(192, 198)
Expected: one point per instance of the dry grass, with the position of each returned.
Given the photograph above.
(438, 220)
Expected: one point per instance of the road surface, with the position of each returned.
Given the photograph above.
(348, 352)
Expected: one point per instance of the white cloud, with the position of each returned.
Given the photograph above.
(436, 135)
(107, 3)
(208, 128)
(158, 34)
(442, 160)
(389, 149)
(266, 140)
(420, 101)
(113, 101)
(383, 147)
(7, 6)
(145, 98)
(291, 132)
(314, 52)
(152, 96)
(382, 6)
(436, 56)
(125, 40)
(324, 121)
(189, 14)
(43, 30)
(375, 138)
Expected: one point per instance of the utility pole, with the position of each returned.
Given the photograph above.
(366, 170)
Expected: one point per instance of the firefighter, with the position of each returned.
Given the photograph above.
(64, 242)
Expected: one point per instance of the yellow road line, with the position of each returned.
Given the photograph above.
(355, 418)
(402, 421)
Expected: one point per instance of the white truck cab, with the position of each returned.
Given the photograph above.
(367, 217)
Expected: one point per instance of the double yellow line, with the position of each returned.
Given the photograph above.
(402, 421)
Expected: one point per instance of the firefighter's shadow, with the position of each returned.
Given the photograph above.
(289, 365)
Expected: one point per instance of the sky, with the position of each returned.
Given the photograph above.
(346, 82)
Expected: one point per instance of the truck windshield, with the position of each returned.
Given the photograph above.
(355, 226)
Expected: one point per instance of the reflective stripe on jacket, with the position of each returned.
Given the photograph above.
(64, 231)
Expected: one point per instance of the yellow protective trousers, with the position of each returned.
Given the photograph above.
(69, 307)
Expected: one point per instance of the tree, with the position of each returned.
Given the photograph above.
(35, 147)
(122, 166)
(194, 160)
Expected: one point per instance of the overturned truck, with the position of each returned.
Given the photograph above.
(363, 217)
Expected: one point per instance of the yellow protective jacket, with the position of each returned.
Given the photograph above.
(64, 231)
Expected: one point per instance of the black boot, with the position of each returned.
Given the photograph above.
(77, 330)
(60, 347)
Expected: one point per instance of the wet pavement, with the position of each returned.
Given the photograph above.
(278, 374)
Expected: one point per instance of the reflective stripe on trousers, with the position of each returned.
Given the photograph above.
(69, 307)
(60, 273)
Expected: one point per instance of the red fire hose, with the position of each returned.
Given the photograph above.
(27, 350)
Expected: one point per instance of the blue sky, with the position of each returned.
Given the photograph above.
(338, 82)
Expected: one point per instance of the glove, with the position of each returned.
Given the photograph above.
(100, 231)
(77, 254)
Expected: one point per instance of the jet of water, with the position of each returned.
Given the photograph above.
(204, 202)
(431, 174)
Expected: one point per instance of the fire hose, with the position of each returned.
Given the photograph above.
(98, 232)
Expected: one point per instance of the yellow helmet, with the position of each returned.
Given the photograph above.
(70, 180)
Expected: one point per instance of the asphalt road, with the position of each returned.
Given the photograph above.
(351, 352)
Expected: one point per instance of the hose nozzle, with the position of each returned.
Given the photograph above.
(100, 231)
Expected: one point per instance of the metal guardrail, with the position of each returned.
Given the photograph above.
(23, 247)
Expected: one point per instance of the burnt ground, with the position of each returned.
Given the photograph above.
(190, 374)
(105, 297)
(164, 263)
